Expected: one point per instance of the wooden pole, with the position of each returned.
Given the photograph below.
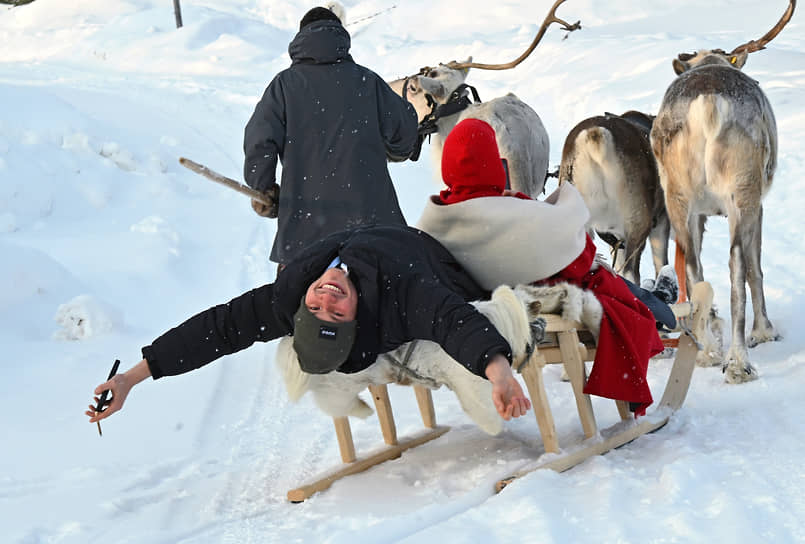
(212, 175)
(178, 11)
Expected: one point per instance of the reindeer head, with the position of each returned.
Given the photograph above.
(438, 83)
(430, 86)
(737, 58)
(686, 61)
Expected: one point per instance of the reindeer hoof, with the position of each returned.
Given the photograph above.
(756, 338)
(710, 358)
(736, 372)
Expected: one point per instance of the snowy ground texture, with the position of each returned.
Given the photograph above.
(106, 241)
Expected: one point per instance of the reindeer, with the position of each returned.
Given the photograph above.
(715, 140)
(441, 99)
(609, 160)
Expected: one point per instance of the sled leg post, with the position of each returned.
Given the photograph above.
(344, 434)
(623, 410)
(574, 365)
(424, 400)
(532, 375)
(380, 393)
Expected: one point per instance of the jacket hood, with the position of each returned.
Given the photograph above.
(471, 165)
(321, 42)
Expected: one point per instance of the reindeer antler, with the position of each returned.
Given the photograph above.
(550, 18)
(751, 46)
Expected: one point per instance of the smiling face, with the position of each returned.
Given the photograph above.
(332, 297)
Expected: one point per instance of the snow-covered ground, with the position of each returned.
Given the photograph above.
(106, 241)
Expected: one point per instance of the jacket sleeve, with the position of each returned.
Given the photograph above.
(215, 332)
(264, 138)
(398, 123)
(436, 313)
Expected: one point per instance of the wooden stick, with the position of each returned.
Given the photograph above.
(229, 182)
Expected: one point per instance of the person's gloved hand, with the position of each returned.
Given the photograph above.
(268, 210)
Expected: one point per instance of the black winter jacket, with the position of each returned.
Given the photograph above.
(332, 123)
(409, 287)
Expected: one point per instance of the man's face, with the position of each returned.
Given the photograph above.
(332, 297)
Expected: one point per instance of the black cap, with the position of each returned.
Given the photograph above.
(322, 346)
(317, 14)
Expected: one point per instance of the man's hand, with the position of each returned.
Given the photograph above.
(264, 210)
(119, 386)
(269, 207)
(507, 395)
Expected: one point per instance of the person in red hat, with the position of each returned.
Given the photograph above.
(522, 241)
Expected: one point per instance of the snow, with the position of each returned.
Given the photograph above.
(106, 241)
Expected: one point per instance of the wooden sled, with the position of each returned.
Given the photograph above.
(568, 343)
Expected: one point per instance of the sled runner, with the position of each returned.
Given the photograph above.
(567, 342)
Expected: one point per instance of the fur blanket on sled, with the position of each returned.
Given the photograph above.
(421, 362)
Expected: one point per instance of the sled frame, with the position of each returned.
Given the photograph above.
(566, 343)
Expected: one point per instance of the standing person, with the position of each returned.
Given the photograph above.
(333, 124)
(363, 292)
(521, 241)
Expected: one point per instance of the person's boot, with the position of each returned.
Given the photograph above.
(666, 286)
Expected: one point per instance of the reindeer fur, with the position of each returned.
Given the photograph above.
(715, 140)
(609, 160)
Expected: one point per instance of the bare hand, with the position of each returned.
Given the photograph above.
(119, 387)
(507, 395)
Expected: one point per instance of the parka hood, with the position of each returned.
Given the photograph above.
(321, 42)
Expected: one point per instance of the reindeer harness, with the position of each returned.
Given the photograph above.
(457, 101)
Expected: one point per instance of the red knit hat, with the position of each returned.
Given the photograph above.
(471, 165)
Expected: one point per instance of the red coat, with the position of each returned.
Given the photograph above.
(628, 337)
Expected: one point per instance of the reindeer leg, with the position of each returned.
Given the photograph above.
(690, 240)
(737, 368)
(762, 329)
(658, 238)
(634, 250)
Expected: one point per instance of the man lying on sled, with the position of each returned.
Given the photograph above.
(346, 300)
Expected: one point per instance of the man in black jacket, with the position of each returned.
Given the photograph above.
(346, 300)
(333, 124)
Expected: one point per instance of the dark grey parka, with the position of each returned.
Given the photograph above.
(333, 124)
(409, 287)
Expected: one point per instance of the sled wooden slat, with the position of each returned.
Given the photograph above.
(532, 375)
(424, 400)
(380, 394)
(623, 409)
(574, 365)
(344, 434)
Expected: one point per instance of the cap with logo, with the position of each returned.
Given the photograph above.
(322, 346)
